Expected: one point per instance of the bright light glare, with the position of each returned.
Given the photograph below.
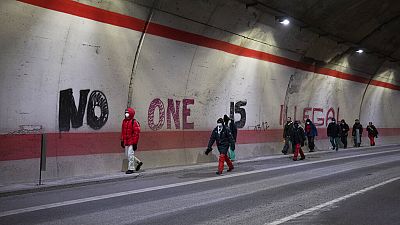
(285, 22)
(359, 51)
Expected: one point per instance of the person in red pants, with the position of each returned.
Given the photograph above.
(372, 133)
(297, 138)
(224, 140)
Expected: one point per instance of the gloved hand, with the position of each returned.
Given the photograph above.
(208, 151)
(233, 147)
(122, 144)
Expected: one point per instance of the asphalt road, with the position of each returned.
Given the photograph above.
(346, 187)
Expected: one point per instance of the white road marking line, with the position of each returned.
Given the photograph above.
(318, 207)
(107, 196)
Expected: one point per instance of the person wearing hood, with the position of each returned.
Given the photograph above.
(311, 132)
(372, 133)
(357, 133)
(286, 135)
(230, 123)
(129, 139)
(344, 132)
(222, 135)
(333, 134)
(297, 137)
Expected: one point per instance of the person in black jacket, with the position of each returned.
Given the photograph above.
(372, 133)
(344, 132)
(224, 139)
(311, 132)
(333, 134)
(297, 137)
(286, 135)
(357, 133)
(230, 123)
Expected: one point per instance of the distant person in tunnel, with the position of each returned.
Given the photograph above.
(311, 132)
(129, 139)
(357, 133)
(297, 137)
(286, 135)
(344, 132)
(372, 133)
(230, 123)
(222, 135)
(333, 134)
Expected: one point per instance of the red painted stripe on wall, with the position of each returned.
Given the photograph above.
(116, 19)
(16, 147)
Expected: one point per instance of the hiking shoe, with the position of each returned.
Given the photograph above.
(302, 158)
(230, 169)
(129, 172)
(138, 166)
(218, 173)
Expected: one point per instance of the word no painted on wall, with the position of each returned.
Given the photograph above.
(69, 114)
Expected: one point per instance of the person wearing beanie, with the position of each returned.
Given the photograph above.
(344, 132)
(297, 137)
(311, 132)
(286, 135)
(222, 135)
(129, 139)
(357, 133)
(230, 123)
(372, 133)
(333, 134)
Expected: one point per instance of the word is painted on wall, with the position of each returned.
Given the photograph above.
(318, 116)
(237, 108)
(171, 112)
(69, 115)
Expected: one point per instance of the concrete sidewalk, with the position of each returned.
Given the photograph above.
(16, 189)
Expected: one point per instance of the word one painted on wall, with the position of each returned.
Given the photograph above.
(69, 114)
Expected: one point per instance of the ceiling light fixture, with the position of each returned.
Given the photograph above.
(359, 51)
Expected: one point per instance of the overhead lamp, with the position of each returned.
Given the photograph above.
(282, 20)
(359, 51)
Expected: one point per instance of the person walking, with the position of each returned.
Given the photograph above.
(297, 137)
(129, 139)
(286, 135)
(230, 123)
(222, 135)
(333, 134)
(311, 132)
(344, 132)
(357, 133)
(372, 133)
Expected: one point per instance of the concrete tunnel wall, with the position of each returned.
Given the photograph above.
(198, 61)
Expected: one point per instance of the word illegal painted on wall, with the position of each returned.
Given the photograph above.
(316, 115)
(70, 115)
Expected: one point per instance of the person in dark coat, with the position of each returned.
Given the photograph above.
(333, 134)
(372, 133)
(344, 132)
(286, 135)
(222, 135)
(129, 139)
(297, 137)
(357, 133)
(311, 132)
(230, 123)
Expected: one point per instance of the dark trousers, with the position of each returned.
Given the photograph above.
(343, 139)
(287, 145)
(311, 144)
(224, 158)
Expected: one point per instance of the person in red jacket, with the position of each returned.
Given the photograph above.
(129, 139)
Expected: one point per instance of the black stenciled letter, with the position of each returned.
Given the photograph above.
(242, 122)
(68, 112)
(97, 99)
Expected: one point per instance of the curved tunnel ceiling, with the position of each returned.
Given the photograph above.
(373, 25)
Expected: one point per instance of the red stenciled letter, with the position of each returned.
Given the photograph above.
(156, 103)
(186, 113)
(174, 111)
(319, 119)
(330, 111)
(306, 115)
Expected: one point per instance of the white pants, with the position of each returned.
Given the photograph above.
(130, 154)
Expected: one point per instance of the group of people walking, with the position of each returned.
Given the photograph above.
(294, 135)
